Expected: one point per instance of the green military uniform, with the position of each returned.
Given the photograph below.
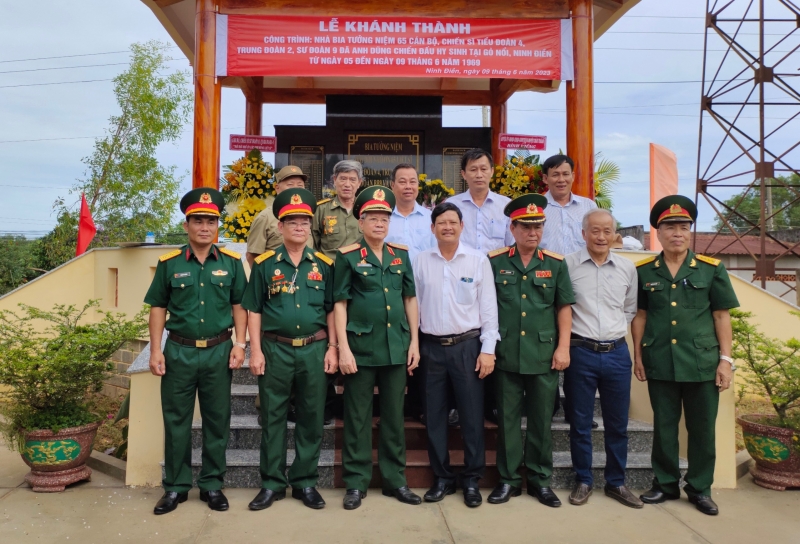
(333, 227)
(378, 335)
(680, 354)
(293, 300)
(198, 297)
(264, 234)
(527, 298)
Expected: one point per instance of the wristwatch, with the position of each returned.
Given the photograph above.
(729, 359)
(243, 345)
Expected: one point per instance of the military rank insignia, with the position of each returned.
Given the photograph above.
(278, 275)
(219, 273)
(544, 273)
(396, 262)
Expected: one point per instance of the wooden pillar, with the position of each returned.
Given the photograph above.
(498, 120)
(580, 99)
(207, 99)
(252, 121)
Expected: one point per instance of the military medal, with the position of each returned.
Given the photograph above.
(544, 273)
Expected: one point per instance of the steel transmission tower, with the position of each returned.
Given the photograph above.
(749, 138)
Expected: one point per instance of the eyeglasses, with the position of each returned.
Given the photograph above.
(298, 225)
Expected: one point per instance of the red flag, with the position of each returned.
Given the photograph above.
(86, 228)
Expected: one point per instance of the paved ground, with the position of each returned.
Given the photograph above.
(105, 511)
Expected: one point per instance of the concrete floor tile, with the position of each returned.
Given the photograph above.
(12, 468)
(380, 519)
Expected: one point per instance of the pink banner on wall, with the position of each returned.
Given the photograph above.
(663, 181)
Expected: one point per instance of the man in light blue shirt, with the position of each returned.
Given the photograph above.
(565, 211)
(410, 223)
(486, 227)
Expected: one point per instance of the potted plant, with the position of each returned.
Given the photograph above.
(52, 363)
(770, 367)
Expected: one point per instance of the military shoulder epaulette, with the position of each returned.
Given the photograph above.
(323, 201)
(496, 252)
(398, 246)
(553, 254)
(324, 258)
(230, 253)
(348, 249)
(264, 256)
(171, 254)
(648, 260)
(709, 260)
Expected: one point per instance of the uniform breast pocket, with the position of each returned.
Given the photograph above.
(506, 287)
(221, 282)
(466, 292)
(397, 278)
(183, 289)
(654, 293)
(316, 292)
(367, 279)
(545, 289)
(696, 293)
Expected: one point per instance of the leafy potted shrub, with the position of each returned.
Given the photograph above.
(52, 362)
(771, 367)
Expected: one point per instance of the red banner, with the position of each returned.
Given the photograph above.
(241, 142)
(306, 46)
(521, 141)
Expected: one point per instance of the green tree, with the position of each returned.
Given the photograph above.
(606, 174)
(128, 191)
(16, 262)
(748, 204)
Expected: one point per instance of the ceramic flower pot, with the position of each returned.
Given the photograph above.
(58, 459)
(775, 450)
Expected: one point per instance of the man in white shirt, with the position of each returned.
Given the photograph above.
(410, 222)
(459, 330)
(565, 211)
(606, 288)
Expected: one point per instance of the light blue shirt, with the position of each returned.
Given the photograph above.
(486, 228)
(413, 231)
(563, 225)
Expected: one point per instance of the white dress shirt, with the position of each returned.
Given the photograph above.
(413, 230)
(562, 230)
(457, 296)
(605, 295)
(485, 227)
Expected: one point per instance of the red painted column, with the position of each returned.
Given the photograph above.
(580, 99)
(207, 99)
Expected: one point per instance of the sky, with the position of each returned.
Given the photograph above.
(648, 69)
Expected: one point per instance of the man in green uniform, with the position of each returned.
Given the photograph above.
(264, 233)
(290, 301)
(534, 294)
(335, 225)
(377, 321)
(201, 286)
(682, 345)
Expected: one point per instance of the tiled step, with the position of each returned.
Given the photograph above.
(246, 434)
(243, 469)
(243, 399)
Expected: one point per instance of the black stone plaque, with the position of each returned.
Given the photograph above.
(311, 160)
(451, 168)
(380, 153)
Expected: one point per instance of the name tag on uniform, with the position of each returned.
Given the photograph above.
(183, 274)
(652, 284)
(219, 273)
(364, 265)
(544, 273)
(506, 272)
(467, 280)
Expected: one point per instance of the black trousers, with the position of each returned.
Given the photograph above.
(456, 365)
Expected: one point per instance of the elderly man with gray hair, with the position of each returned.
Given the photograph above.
(605, 287)
(334, 225)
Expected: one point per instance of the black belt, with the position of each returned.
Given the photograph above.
(594, 345)
(455, 339)
(296, 342)
(202, 343)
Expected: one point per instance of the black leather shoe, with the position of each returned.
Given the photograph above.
(656, 496)
(216, 499)
(491, 415)
(503, 493)
(452, 418)
(169, 502)
(595, 424)
(545, 496)
(403, 494)
(705, 504)
(352, 499)
(310, 497)
(439, 491)
(265, 498)
(472, 497)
